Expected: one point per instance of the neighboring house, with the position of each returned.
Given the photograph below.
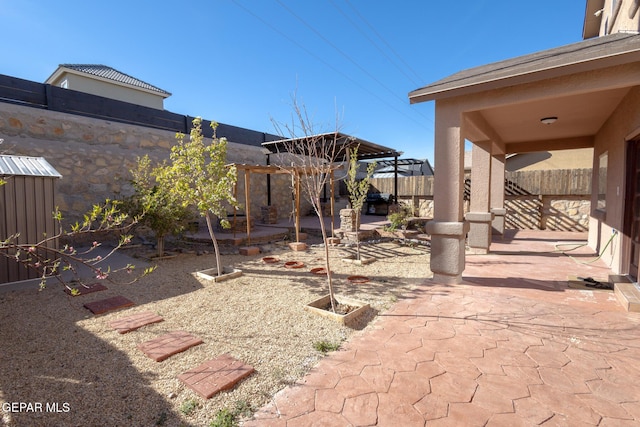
(105, 81)
(585, 95)
(580, 158)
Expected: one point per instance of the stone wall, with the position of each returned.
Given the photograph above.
(95, 157)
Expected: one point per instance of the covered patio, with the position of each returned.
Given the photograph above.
(582, 95)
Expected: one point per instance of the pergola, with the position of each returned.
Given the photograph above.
(292, 170)
(366, 151)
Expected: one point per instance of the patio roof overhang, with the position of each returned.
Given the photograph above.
(366, 150)
(580, 84)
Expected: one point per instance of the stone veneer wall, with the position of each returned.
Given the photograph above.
(94, 157)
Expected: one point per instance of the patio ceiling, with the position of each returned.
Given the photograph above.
(366, 150)
(581, 84)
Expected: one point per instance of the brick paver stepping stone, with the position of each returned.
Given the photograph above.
(169, 344)
(82, 290)
(135, 321)
(216, 375)
(109, 304)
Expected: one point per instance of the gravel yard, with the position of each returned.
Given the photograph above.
(83, 373)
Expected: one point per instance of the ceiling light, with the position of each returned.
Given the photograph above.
(549, 120)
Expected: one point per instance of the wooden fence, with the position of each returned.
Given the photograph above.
(538, 182)
(545, 199)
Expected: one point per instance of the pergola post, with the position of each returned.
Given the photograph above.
(247, 180)
(395, 179)
(331, 203)
(297, 196)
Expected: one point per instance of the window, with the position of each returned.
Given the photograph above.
(64, 84)
(602, 182)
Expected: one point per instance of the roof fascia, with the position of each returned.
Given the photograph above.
(419, 95)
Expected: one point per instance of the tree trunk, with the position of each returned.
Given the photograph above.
(326, 256)
(215, 243)
(160, 245)
(357, 214)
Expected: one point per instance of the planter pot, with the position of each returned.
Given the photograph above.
(293, 264)
(270, 260)
(211, 274)
(322, 306)
(357, 279)
(320, 271)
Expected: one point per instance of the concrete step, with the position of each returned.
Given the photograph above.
(629, 295)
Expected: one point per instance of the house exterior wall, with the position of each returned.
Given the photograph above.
(619, 16)
(580, 158)
(612, 140)
(95, 157)
(110, 90)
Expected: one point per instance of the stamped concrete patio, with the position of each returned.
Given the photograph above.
(513, 345)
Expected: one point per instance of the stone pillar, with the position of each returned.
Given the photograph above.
(448, 229)
(479, 215)
(348, 221)
(497, 194)
(269, 214)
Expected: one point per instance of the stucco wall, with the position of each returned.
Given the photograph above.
(580, 158)
(612, 139)
(95, 156)
(620, 15)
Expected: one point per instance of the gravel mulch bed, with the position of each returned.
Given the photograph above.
(55, 353)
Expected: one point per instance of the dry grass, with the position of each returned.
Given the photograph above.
(55, 351)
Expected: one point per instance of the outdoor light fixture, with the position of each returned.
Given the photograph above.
(548, 120)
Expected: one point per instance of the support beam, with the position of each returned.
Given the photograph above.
(549, 145)
(497, 194)
(479, 215)
(448, 229)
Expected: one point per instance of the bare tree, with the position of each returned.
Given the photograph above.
(310, 157)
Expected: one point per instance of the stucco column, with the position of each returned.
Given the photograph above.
(497, 193)
(448, 229)
(479, 215)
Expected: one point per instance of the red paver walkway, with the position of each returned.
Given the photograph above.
(108, 304)
(135, 321)
(511, 346)
(216, 375)
(169, 344)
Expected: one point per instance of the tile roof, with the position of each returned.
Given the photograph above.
(109, 73)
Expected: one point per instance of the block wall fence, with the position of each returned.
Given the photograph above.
(94, 157)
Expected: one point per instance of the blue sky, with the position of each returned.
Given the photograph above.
(240, 61)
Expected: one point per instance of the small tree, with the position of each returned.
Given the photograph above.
(163, 211)
(312, 155)
(198, 176)
(358, 190)
(51, 262)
